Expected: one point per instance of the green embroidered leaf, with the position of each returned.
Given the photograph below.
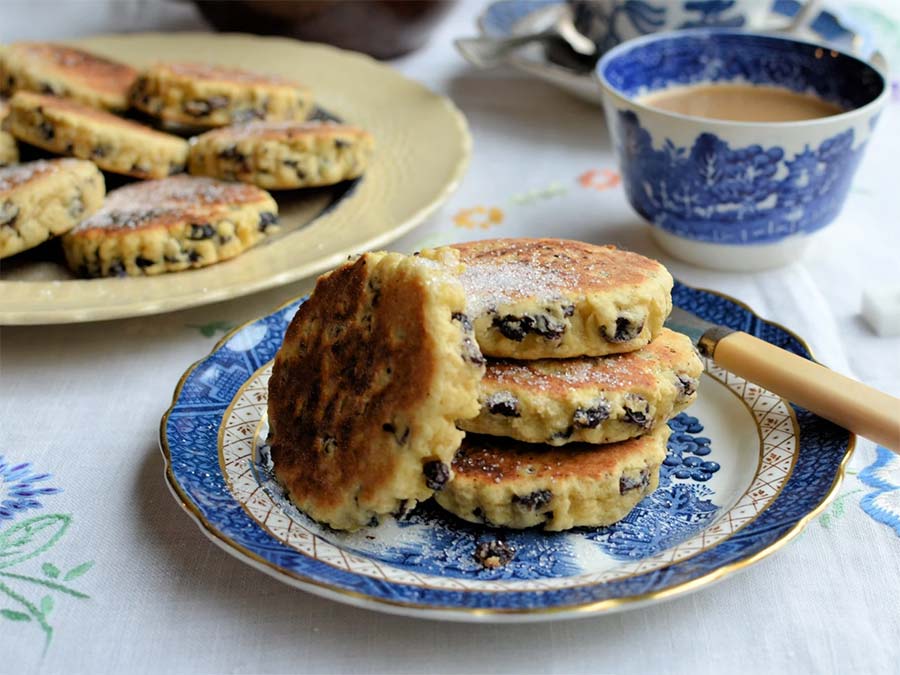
(553, 190)
(211, 328)
(50, 570)
(46, 605)
(837, 510)
(76, 572)
(534, 196)
(26, 540)
(14, 616)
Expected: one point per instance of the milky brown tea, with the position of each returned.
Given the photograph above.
(741, 103)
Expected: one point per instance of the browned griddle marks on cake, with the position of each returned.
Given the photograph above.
(169, 200)
(504, 271)
(546, 375)
(283, 130)
(98, 72)
(52, 104)
(619, 372)
(496, 459)
(214, 73)
(12, 177)
(348, 370)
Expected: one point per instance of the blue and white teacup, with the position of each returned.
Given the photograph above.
(737, 195)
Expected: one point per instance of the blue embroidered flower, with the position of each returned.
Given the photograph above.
(884, 475)
(18, 491)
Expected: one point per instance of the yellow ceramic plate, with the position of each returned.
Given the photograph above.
(422, 149)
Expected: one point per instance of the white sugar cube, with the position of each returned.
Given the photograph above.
(881, 309)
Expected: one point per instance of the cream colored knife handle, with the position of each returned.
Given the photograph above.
(861, 409)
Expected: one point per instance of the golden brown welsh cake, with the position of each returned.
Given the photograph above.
(168, 225)
(206, 95)
(112, 143)
(61, 70)
(40, 200)
(555, 298)
(9, 151)
(374, 371)
(591, 399)
(506, 483)
(282, 155)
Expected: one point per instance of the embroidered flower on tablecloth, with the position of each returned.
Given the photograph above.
(599, 179)
(478, 216)
(27, 597)
(883, 504)
(18, 491)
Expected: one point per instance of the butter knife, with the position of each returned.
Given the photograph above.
(844, 401)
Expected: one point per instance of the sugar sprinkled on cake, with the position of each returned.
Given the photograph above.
(134, 205)
(609, 372)
(14, 176)
(491, 284)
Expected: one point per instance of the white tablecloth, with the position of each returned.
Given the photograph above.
(148, 593)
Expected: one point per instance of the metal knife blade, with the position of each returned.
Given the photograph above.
(702, 333)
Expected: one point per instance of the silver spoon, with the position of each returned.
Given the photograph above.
(486, 52)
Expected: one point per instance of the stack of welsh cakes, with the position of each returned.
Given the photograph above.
(581, 378)
(520, 382)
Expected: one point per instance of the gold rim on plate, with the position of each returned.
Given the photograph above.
(422, 151)
(470, 614)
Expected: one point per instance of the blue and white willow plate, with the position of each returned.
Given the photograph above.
(506, 18)
(746, 471)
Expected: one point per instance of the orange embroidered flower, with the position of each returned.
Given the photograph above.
(478, 216)
(599, 179)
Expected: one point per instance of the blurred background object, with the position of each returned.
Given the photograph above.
(68, 19)
(382, 28)
(561, 35)
(608, 22)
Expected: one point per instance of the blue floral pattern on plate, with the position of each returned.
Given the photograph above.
(682, 505)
